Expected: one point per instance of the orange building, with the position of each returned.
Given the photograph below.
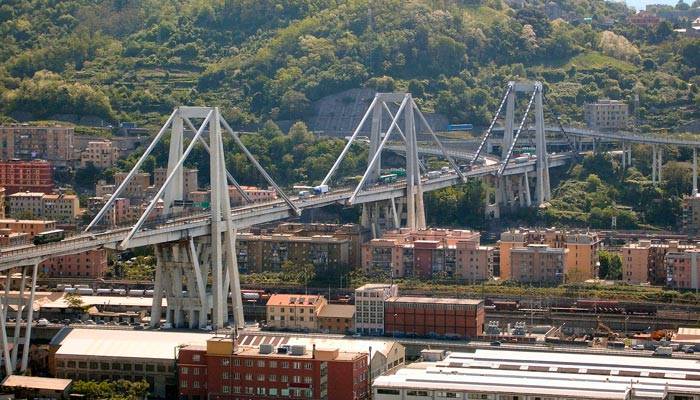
(294, 311)
(538, 263)
(644, 261)
(30, 227)
(581, 259)
(51, 143)
(90, 264)
(427, 252)
(336, 318)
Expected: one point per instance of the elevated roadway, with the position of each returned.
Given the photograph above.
(197, 225)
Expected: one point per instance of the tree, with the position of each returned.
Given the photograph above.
(298, 272)
(75, 302)
(610, 265)
(681, 5)
(294, 105)
(690, 53)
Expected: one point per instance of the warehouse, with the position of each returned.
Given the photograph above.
(526, 375)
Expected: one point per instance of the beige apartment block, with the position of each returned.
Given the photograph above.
(294, 311)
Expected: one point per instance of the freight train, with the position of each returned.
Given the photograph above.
(583, 306)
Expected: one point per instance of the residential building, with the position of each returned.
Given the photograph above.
(294, 311)
(24, 142)
(101, 154)
(2, 202)
(530, 375)
(691, 214)
(433, 317)
(644, 19)
(644, 261)
(383, 355)
(607, 114)
(473, 262)
(336, 318)
(421, 253)
(258, 253)
(63, 208)
(189, 179)
(683, 269)
(369, 307)
(28, 226)
(256, 194)
(21, 176)
(90, 264)
(538, 263)
(137, 187)
(26, 204)
(581, 257)
(11, 239)
(105, 354)
(224, 370)
(352, 232)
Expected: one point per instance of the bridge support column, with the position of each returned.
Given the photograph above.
(542, 166)
(695, 171)
(656, 164)
(624, 156)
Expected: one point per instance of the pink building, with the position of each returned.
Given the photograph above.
(429, 252)
(90, 264)
(683, 270)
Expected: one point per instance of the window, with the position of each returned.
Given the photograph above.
(273, 364)
(261, 363)
(226, 389)
(308, 366)
(196, 357)
(308, 379)
(388, 391)
(284, 379)
(296, 379)
(195, 371)
(272, 392)
(285, 364)
(261, 377)
(183, 384)
(248, 363)
(225, 362)
(261, 391)
(417, 393)
(195, 384)
(272, 378)
(249, 376)
(296, 365)
(225, 375)
(184, 370)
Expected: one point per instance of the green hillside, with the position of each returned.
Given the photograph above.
(268, 59)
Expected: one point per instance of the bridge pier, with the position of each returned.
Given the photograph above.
(656, 164)
(10, 356)
(695, 171)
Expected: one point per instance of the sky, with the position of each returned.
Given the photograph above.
(640, 4)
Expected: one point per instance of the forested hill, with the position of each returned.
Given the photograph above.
(268, 59)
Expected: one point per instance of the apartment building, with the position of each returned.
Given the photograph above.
(426, 253)
(683, 269)
(224, 370)
(24, 142)
(189, 179)
(369, 307)
(294, 312)
(433, 317)
(581, 257)
(136, 188)
(21, 176)
(63, 208)
(11, 239)
(256, 194)
(101, 154)
(30, 227)
(607, 114)
(538, 263)
(258, 253)
(644, 261)
(90, 264)
(691, 214)
(336, 318)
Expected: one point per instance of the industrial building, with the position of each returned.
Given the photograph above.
(530, 375)
(104, 354)
(223, 369)
(433, 317)
(382, 354)
(369, 307)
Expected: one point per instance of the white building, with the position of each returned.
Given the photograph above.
(369, 307)
(528, 375)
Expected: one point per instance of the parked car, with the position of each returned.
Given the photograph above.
(495, 343)
(638, 347)
(42, 322)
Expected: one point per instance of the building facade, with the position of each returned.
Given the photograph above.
(28, 226)
(189, 179)
(224, 370)
(294, 312)
(369, 307)
(644, 261)
(607, 114)
(2, 202)
(433, 317)
(538, 263)
(63, 208)
(24, 142)
(259, 253)
(683, 269)
(21, 176)
(581, 256)
(691, 214)
(425, 253)
(90, 264)
(101, 154)
(336, 318)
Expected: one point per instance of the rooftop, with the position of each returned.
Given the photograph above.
(36, 382)
(125, 343)
(337, 311)
(106, 300)
(293, 300)
(374, 286)
(432, 300)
